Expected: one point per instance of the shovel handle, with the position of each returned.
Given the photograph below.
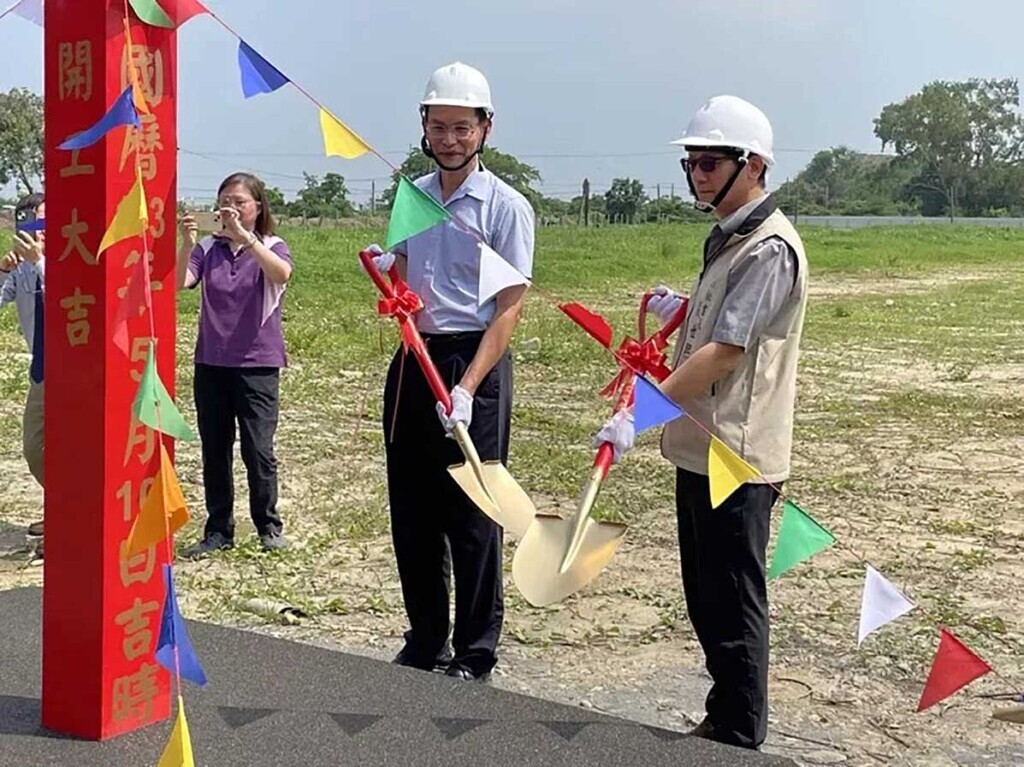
(419, 348)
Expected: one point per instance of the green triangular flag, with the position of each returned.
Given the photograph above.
(151, 13)
(413, 211)
(800, 538)
(152, 395)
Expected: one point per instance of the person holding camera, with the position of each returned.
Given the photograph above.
(243, 269)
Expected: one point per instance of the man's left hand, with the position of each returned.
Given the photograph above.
(462, 410)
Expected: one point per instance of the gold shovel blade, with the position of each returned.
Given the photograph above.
(1014, 714)
(538, 568)
(491, 487)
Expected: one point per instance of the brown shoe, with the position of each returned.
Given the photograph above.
(35, 529)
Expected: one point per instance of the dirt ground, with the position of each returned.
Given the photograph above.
(941, 517)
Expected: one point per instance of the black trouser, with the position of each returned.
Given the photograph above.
(250, 397)
(427, 506)
(723, 560)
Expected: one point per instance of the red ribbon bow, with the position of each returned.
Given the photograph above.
(638, 358)
(402, 305)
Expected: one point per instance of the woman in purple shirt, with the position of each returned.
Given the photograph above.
(243, 269)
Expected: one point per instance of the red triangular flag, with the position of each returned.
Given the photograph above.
(592, 322)
(955, 666)
(136, 298)
(180, 11)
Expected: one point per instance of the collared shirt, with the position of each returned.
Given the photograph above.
(757, 288)
(20, 288)
(444, 262)
(240, 313)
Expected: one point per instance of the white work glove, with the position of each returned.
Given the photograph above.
(462, 410)
(618, 430)
(382, 260)
(664, 303)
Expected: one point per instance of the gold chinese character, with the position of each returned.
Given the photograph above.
(146, 141)
(133, 694)
(138, 568)
(149, 66)
(132, 260)
(140, 434)
(73, 234)
(76, 169)
(76, 70)
(138, 639)
(78, 316)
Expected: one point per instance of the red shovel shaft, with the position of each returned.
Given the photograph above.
(387, 289)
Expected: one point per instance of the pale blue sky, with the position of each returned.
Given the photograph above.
(569, 77)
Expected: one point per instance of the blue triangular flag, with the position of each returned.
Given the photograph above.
(37, 225)
(30, 10)
(121, 113)
(258, 74)
(651, 407)
(172, 632)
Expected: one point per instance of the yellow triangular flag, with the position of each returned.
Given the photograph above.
(339, 139)
(133, 74)
(726, 472)
(131, 217)
(178, 751)
(164, 508)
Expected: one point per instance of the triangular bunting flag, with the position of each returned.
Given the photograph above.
(955, 666)
(339, 139)
(800, 538)
(353, 724)
(138, 98)
(881, 603)
(496, 274)
(30, 10)
(151, 13)
(413, 211)
(137, 298)
(456, 728)
(651, 407)
(174, 635)
(240, 717)
(592, 322)
(178, 751)
(153, 405)
(567, 730)
(163, 510)
(181, 11)
(726, 472)
(258, 74)
(123, 112)
(131, 217)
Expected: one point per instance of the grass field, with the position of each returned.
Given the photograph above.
(908, 446)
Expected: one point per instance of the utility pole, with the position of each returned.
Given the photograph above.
(585, 210)
(373, 198)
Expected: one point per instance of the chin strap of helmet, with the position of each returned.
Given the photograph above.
(425, 146)
(710, 207)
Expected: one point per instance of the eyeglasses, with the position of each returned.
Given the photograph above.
(236, 202)
(461, 132)
(706, 164)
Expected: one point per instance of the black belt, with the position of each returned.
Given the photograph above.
(462, 336)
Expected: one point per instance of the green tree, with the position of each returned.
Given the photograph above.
(275, 197)
(516, 174)
(624, 200)
(952, 131)
(322, 199)
(21, 138)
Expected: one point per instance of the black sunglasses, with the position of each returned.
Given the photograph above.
(704, 164)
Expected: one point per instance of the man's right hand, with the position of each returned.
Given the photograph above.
(382, 260)
(664, 303)
(189, 230)
(620, 432)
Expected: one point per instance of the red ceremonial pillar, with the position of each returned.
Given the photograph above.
(101, 612)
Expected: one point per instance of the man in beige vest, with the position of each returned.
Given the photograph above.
(734, 371)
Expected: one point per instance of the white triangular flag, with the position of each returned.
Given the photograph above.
(496, 274)
(882, 603)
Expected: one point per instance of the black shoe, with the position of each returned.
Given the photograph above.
(211, 543)
(458, 671)
(274, 542)
(703, 730)
(406, 658)
(36, 529)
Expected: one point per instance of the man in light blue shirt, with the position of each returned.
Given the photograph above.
(469, 345)
(22, 270)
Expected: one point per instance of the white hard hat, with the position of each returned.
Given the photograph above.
(458, 85)
(729, 122)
